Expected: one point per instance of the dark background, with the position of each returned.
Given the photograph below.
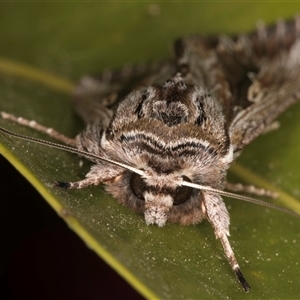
(41, 257)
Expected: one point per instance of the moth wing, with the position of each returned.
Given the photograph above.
(255, 77)
(96, 96)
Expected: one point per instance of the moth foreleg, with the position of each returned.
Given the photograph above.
(98, 174)
(218, 216)
(76, 185)
(233, 261)
(36, 126)
(250, 189)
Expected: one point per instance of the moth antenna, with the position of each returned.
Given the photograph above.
(141, 172)
(240, 197)
(70, 149)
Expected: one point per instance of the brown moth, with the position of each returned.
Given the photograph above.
(162, 136)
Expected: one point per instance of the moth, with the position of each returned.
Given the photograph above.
(162, 136)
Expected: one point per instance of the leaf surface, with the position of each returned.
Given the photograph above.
(73, 39)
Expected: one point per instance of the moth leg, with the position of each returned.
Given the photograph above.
(33, 124)
(99, 173)
(250, 189)
(218, 216)
(233, 262)
(77, 185)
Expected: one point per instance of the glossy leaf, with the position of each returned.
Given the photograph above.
(43, 39)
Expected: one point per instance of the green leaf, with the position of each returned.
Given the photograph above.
(72, 39)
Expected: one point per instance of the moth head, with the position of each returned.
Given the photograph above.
(159, 197)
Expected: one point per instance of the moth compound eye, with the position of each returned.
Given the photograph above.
(182, 193)
(137, 185)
